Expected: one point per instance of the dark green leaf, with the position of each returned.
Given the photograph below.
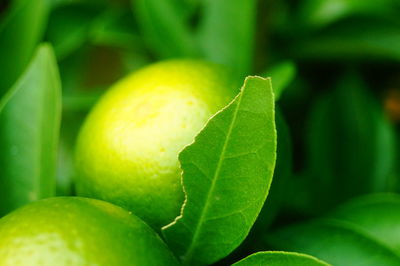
(116, 27)
(319, 13)
(363, 40)
(164, 28)
(29, 125)
(351, 145)
(279, 258)
(69, 27)
(335, 242)
(281, 75)
(227, 33)
(378, 215)
(20, 32)
(227, 172)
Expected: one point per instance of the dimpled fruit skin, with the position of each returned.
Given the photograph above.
(78, 231)
(127, 150)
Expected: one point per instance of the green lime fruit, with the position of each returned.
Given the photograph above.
(78, 231)
(127, 150)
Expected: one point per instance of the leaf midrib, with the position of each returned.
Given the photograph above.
(216, 174)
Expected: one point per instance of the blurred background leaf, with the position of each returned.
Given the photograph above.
(223, 43)
(336, 242)
(162, 23)
(320, 13)
(30, 116)
(352, 39)
(282, 74)
(20, 31)
(75, 20)
(377, 214)
(351, 145)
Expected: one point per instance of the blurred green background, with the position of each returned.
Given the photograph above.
(335, 66)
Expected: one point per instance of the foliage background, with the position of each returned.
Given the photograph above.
(334, 64)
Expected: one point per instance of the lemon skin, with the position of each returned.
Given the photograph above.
(127, 150)
(78, 231)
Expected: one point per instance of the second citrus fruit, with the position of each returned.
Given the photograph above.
(127, 150)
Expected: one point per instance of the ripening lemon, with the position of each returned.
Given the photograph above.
(127, 150)
(78, 231)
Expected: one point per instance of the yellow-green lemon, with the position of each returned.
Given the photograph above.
(127, 150)
(78, 231)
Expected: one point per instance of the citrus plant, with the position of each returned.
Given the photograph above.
(166, 132)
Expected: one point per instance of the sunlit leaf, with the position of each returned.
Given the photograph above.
(227, 172)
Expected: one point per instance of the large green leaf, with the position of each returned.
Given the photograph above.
(378, 215)
(224, 43)
(29, 125)
(335, 242)
(164, 28)
(20, 32)
(279, 258)
(351, 145)
(278, 191)
(282, 173)
(227, 172)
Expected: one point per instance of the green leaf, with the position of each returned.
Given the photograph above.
(351, 145)
(319, 13)
(279, 258)
(29, 125)
(282, 173)
(227, 172)
(362, 40)
(282, 75)
(20, 32)
(74, 19)
(224, 43)
(164, 28)
(378, 215)
(116, 27)
(335, 242)
(278, 190)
